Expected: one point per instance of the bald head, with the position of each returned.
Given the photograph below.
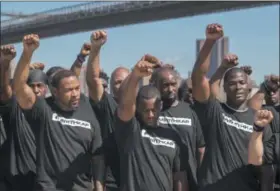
(119, 70)
(163, 73)
(117, 77)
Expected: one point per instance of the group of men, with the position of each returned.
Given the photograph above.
(172, 134)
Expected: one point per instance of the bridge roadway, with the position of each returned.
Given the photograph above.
(88, 16)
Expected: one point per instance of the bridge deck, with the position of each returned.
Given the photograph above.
(91, 17)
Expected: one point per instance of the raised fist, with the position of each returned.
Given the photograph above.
(214, 31)
(85, 50)
(37, 65)
(151, 59)
(146, 66)
(230, 60)
(8, 52)
(98, 38)
(30, 42)
(247, 69)
(263, 118)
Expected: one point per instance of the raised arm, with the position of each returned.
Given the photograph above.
(229, 61)
(256, 148)
(24, 94)
(129, 88)
(269, 85)
(94, 83)
(8, 53)
(78, 63)
(201, 88)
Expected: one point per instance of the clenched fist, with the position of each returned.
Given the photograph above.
(263, 118)
(8, 52)
(146, 66)
(98, 38)
(85, 50)
(151, 59)
(247, 69)
(214, 31)
(30, 43)
(230, 60)
(37, 65)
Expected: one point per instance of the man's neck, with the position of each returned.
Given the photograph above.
(240, 107)
(166, 105)
(62, 107)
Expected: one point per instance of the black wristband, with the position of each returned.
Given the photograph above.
(258, 128)
(81, 58)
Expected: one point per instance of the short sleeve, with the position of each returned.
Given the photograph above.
(207, 111)
(96, 147)
(38, 111)
(126, 132)
(104, 110)
(200, 142)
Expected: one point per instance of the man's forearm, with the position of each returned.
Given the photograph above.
(77, 65)
(129, 90)
(255, 153)
(215, 81)
(98, 186)
(99, 171)
(5, 88)
(203, 63)
(22, 71)
(93, 67)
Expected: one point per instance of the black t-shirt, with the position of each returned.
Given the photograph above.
(227, 134)
(147, 156)
(104, 110)
(20, 146)
(272, 147)
(3, 151)
(66, 144)
(184, 121)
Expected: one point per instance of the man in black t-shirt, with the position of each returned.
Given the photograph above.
(227, 127)
(182, 119)
(21, 146)
(18, 159)
(149, 155)
(104, 105)
(69, 139)
(268, 90)
(275, 127)
(264, 152)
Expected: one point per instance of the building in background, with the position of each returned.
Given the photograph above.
(220, 49)
(189, 74)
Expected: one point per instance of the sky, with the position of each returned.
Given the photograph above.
(253, 36)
